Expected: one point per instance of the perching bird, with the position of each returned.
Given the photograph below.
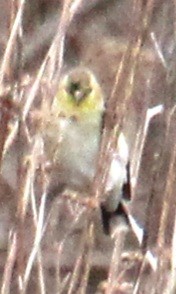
(72, 140)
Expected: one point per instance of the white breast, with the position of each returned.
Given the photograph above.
(77, 154)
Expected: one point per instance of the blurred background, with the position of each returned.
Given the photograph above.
(46, 246)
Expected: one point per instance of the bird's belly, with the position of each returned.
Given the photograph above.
(78, 155)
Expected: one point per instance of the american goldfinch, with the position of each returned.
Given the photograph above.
(73, 139)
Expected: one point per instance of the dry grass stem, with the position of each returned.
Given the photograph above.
(58, 244)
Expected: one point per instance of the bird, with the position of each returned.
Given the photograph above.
(72, 141)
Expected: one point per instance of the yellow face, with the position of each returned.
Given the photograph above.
(79, 95)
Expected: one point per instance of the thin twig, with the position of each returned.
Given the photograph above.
(10, 45)
(6, 284)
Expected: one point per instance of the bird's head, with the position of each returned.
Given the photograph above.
(79, 95)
